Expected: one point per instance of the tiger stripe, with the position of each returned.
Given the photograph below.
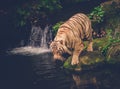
(79, 22)
(70, 36)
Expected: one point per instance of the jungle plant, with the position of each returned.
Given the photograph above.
(112, 45)
(56, 26)
(36, 10)
(109, 37)
(97, 15)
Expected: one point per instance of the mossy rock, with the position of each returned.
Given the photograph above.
(87, 59)
(90, 59)
(98, 43)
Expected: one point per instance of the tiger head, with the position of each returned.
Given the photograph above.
(59, 50)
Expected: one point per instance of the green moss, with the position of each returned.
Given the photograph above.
(86, 58)
(112, 49)
(99, 43)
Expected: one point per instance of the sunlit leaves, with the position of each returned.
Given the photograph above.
(56, 26)
(97, 14)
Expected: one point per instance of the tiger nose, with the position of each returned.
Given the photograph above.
(56, 57)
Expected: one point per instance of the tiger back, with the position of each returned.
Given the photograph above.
(70, 36)
(80, 25)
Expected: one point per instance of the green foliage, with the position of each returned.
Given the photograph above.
(31, 11)
(112, 16)
(34, 10)
(109, 37)
(56, 26)
(97, 14)
(110, 42)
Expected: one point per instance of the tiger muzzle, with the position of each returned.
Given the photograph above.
(56, 57)
(58, 60)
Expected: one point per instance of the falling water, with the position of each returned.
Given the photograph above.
(44, 37)
(35, 37)
(38, 42)
(40, 37)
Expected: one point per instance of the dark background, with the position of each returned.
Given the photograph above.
(11, 36)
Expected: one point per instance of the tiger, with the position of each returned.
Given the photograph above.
(70, 37)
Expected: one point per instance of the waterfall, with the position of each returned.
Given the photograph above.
(38, 42)
(35, 37)
(44, 37)
(40, 37)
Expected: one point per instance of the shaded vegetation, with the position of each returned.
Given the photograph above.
(106, 50)
(97, 14)
(37, 11)
(105, 15)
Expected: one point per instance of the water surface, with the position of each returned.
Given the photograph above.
(38, 71)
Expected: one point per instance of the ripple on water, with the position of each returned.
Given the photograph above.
(29, 50)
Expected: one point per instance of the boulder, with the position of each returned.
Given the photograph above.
(90, 60)
(87, 60)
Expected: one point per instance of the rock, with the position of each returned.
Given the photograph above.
(86, 58)
(105, 51)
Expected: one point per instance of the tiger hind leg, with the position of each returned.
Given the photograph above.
(90, 46)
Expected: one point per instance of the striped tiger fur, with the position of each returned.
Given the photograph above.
(70, 36)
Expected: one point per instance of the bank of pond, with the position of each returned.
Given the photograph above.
(106, 52)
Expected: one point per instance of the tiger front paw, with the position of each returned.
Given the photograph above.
(75, 62)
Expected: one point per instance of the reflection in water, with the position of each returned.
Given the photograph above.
(105, 77)
(46, 75)
(40, 72)
(84, 83)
